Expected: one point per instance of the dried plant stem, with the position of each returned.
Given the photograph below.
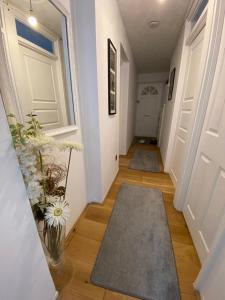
(42, 171)
(67, 173)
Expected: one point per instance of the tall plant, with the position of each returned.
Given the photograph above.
(43, 179)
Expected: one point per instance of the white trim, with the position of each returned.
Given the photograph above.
(32, 46)
(61, 130)
(72, 57)
(214, 25)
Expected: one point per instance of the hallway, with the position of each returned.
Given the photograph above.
(84, 242)
(107, 104)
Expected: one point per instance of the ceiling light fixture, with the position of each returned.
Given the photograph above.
(31, 19)
(153, 24)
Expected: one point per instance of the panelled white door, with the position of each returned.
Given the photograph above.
(205, 201)
(188, 106)
(41, 87)
(148, 109)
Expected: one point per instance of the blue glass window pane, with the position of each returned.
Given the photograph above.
(34, 37)
(199, 11)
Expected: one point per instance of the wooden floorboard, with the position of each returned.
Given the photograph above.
(73, 279)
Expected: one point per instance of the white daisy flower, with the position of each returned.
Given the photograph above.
(57, 213)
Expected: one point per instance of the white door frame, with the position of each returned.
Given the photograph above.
(213, 31)
(123, 100)
(214, 260)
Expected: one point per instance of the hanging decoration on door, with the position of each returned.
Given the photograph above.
(112, 60)
(171, 83)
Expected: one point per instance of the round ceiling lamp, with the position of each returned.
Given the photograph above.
(154, 24)
(32, 19)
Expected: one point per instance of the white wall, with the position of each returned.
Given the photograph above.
(24, 271)
(85, 44)
(152, 77)
(76, 190)
(173, 103)
(109, 25)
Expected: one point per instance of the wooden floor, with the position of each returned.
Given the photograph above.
(72, 281)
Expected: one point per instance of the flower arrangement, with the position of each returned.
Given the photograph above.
(43, 178)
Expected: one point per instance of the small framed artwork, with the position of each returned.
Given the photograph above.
(111, 78)
(171, 83)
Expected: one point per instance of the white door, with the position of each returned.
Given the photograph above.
(41, 87)
(148, 109)
(188, 106)
(205, 202)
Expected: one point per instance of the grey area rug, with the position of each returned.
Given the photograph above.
(145, 161)
(136, 256)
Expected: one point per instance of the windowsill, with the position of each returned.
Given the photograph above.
(62, 130)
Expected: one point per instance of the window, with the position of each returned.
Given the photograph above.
(34, 37)
(149, 90)
(202, 5)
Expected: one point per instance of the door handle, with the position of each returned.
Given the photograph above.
(146, 115)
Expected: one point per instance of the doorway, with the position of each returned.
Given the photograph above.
(124, 97)
(148, 109)
(204, 207)
(188, 105)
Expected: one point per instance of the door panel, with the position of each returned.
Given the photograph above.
(188, 105)
(42, 87)
(205, 202)
(148, 109)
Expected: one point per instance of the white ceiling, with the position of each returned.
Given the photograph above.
(44, 11)
(153, 48)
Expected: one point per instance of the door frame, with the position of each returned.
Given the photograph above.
(191, 40)
(161, 88)
(213, 32)
(124, 77)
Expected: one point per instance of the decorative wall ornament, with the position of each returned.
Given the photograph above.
(149, 90)
(171, 83)
(112, 61)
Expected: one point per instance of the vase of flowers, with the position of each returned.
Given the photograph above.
(52, 238)
(46, 182)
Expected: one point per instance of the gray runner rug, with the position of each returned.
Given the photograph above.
(145, 161)
(136, 256)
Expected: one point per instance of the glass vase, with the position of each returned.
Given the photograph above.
(53, 240)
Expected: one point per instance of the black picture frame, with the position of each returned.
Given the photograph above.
(112, 76)
(171, 83)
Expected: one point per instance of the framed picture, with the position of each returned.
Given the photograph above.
(171, 83)
(111, 78)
